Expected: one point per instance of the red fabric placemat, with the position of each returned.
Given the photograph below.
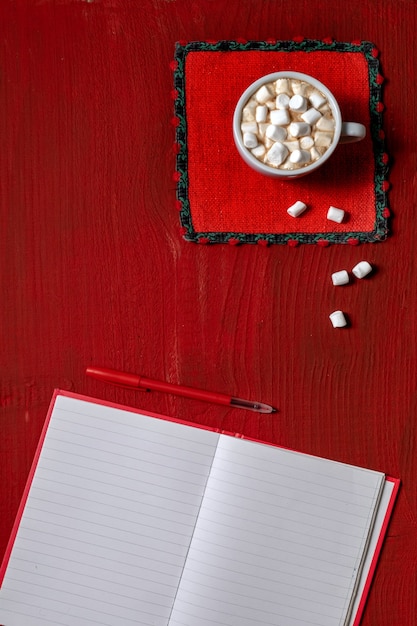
(221, 199)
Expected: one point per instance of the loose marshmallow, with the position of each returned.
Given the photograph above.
(282, 101)
(362, 269)
(263, 94)
(276, 133)
(298, 103)
(335, 215)
(311, 116)
(250, 140)
(300, 156)
(249, 127)
(280, 117)
(317, 99)
(338, 319)
(277, 154)
(261, 113)
(297, 208)
(340, 278)
(299, 129)
(270, 105)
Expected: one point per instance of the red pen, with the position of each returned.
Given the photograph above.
(140, 382)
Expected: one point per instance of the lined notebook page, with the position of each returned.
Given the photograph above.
(279, 539)
(387, 492)
(108, 521)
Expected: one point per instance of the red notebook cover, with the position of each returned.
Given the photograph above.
(363, 585)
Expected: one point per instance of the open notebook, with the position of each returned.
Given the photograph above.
(134, 519)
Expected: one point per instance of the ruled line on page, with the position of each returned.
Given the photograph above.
(146, 484)
(84, 461)
(112, 452)
(172, 536)
(206, 616)
(153, 510)
(48, 495)
(99, 414)
(88, 589)
(152, 445)
(106, 618)
(275, 480)
(258, 550)
(211, 581)
(252, 562)
(239, 607)
(62, 616)
(129, 538)
(212, 498)
(96, 551)
(312, 525)
(263, 582)
(290, 465)
(263, 490)
(316, 528)
(78, 566)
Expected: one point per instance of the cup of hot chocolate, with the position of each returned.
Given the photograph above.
(287, 124)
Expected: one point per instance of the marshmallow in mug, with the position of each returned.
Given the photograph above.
(287, 124)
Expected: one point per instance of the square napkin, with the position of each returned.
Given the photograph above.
(222, 200)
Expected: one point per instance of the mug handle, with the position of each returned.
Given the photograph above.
(351, 132)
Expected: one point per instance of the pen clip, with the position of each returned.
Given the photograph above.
(129, 387)
(118, 379)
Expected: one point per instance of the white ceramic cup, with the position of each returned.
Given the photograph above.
(344, 132)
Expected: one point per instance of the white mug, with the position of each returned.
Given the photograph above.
(344, 132)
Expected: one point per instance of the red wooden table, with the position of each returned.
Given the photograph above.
(95, 271)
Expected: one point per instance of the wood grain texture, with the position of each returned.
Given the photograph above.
(93, 269)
